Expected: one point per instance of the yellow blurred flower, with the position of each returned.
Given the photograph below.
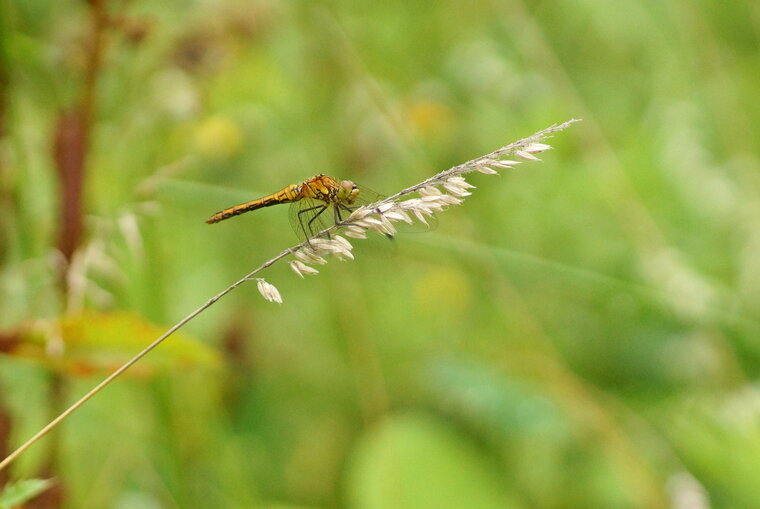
(218, 137)
(429, 118)
(446, 290)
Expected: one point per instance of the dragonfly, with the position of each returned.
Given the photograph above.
(310, 200)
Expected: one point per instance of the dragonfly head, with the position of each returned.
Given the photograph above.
(347, 192)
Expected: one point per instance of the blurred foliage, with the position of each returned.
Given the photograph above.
(581, 333)
(14, 495)
(95, 341)
(414, 462)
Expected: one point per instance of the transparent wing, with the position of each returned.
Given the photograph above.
(308, 217)
(367, 196)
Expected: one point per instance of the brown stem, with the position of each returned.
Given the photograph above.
(72, 140)
(69, 147)
(5, 193)
(99, 16)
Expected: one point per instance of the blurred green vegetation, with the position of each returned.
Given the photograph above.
(583, 332)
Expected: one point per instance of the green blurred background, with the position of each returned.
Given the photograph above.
(582, 333)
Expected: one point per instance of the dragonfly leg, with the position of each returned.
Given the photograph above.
(308, 228)
(339, 217)
(305, 227)
(348, 209)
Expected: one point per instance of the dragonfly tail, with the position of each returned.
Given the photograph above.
(239, 209)
(286, 195)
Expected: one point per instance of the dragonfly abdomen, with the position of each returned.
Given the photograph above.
(286, 195)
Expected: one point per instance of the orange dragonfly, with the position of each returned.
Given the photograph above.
(310, 199)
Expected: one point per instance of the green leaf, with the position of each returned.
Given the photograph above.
(415, 461)
(94, 341)
(17, 493)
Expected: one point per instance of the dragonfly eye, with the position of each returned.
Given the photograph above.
(348, 191)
